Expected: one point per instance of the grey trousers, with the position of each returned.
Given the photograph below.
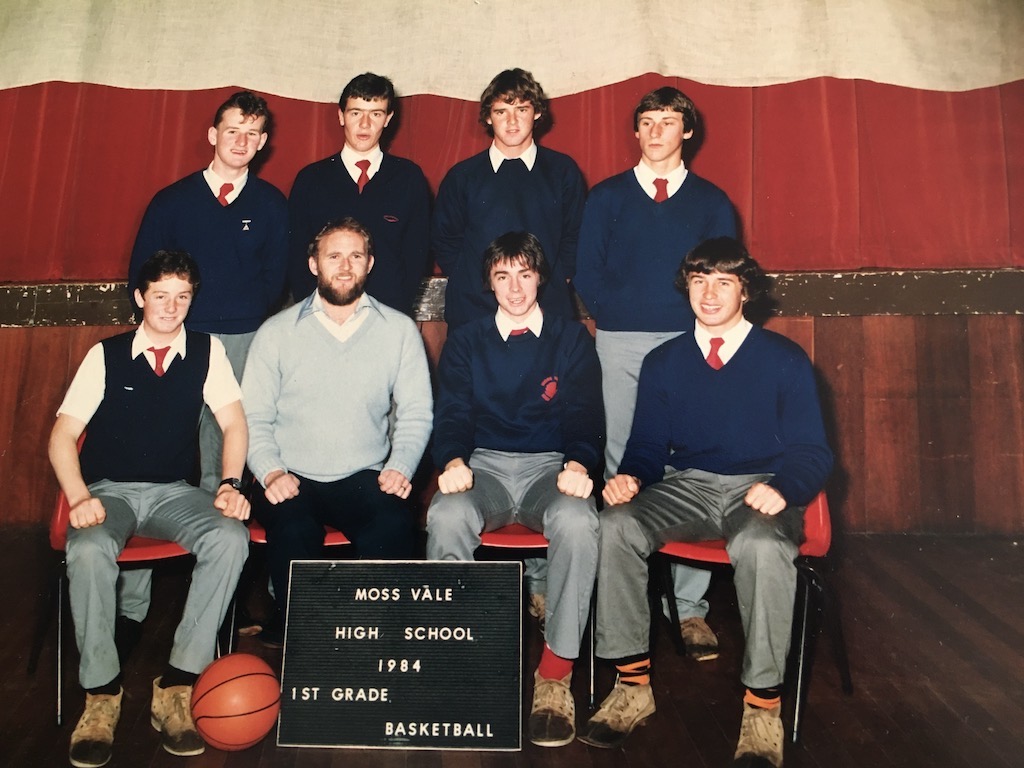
(621, 354)
(520, 488)
(692, 505)
(174, 511)
(133, 586)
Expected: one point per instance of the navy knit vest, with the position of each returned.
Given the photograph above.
(145, 428)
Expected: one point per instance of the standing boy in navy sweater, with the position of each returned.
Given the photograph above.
(727, 442)
(235, 225)
(514, 185)
(637, 227)
(517, 429)
(388, 194)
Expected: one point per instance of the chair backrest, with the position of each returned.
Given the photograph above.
(817, 528)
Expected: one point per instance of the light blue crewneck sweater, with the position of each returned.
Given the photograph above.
(318, 407)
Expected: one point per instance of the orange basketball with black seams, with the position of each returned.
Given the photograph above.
(235, 701)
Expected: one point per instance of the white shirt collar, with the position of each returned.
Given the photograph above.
(215, 182)
(645, 178)
(141, 344)
(345, 330)
(350, 157)
(533, 322)
(732, 339)
(529, 156)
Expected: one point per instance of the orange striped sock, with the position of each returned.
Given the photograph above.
(635, 672)
(756, 701)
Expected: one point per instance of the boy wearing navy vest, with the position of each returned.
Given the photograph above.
(727, 443)
(140, 394)
(518, 430)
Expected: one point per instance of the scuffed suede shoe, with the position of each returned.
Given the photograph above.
(171, 714)
(536, 608)
(93, 738)
(626, 707)
(701, 642)
(761, 737)
(552, 720)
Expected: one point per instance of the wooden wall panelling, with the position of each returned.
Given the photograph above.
(943, 404)
(839, 361)
(997, 421)
(891, 464)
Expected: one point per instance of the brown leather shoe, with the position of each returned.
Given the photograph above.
(93, 738)
(626, 707)
(171, 714)
(761, 737)
(701, 642)
(536, 607)
(552, 720)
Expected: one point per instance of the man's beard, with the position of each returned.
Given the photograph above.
(332, 295)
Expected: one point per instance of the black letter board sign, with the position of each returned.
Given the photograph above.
(411, 655)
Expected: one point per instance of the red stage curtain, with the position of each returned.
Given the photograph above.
(826, 174)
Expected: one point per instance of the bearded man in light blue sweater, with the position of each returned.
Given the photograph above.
(321, 379)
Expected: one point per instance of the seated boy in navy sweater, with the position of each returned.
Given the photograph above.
(727, 442)
(518, 429)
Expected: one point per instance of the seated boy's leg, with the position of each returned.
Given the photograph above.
(762, 549)
(186, 515)
(571, 526)
(456, 520)
(92, 575)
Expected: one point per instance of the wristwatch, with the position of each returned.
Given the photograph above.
(234, 482)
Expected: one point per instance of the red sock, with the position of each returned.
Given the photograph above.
(553, 667)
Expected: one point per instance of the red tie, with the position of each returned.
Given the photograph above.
(159, 354)
(518, 331)
(660, 190)
(363, 166)
(225, 190)
(713, 359)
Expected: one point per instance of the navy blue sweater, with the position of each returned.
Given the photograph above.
(145, 427)
(241, 249)
(394, 206)
(630, 249)
(759, 413)
(475, 205)
(524, 395)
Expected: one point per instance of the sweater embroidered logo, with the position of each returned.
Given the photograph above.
(245, 224)
(550, 388)
(390, 218)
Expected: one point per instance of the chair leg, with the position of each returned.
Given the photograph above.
(60, 645)
(830, 611)
(803, 652)
(662, 568)
(593, 647)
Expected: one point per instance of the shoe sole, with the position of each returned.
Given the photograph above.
(553, 743)
(80, 764)
(621, 740)
(181, 753)
(702, 655)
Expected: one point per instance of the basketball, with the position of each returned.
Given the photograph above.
(235, 701)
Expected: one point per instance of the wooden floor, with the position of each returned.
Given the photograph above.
(934, 626)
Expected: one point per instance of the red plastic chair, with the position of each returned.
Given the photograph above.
(138, 549)
(817, 540)
(517, 536)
